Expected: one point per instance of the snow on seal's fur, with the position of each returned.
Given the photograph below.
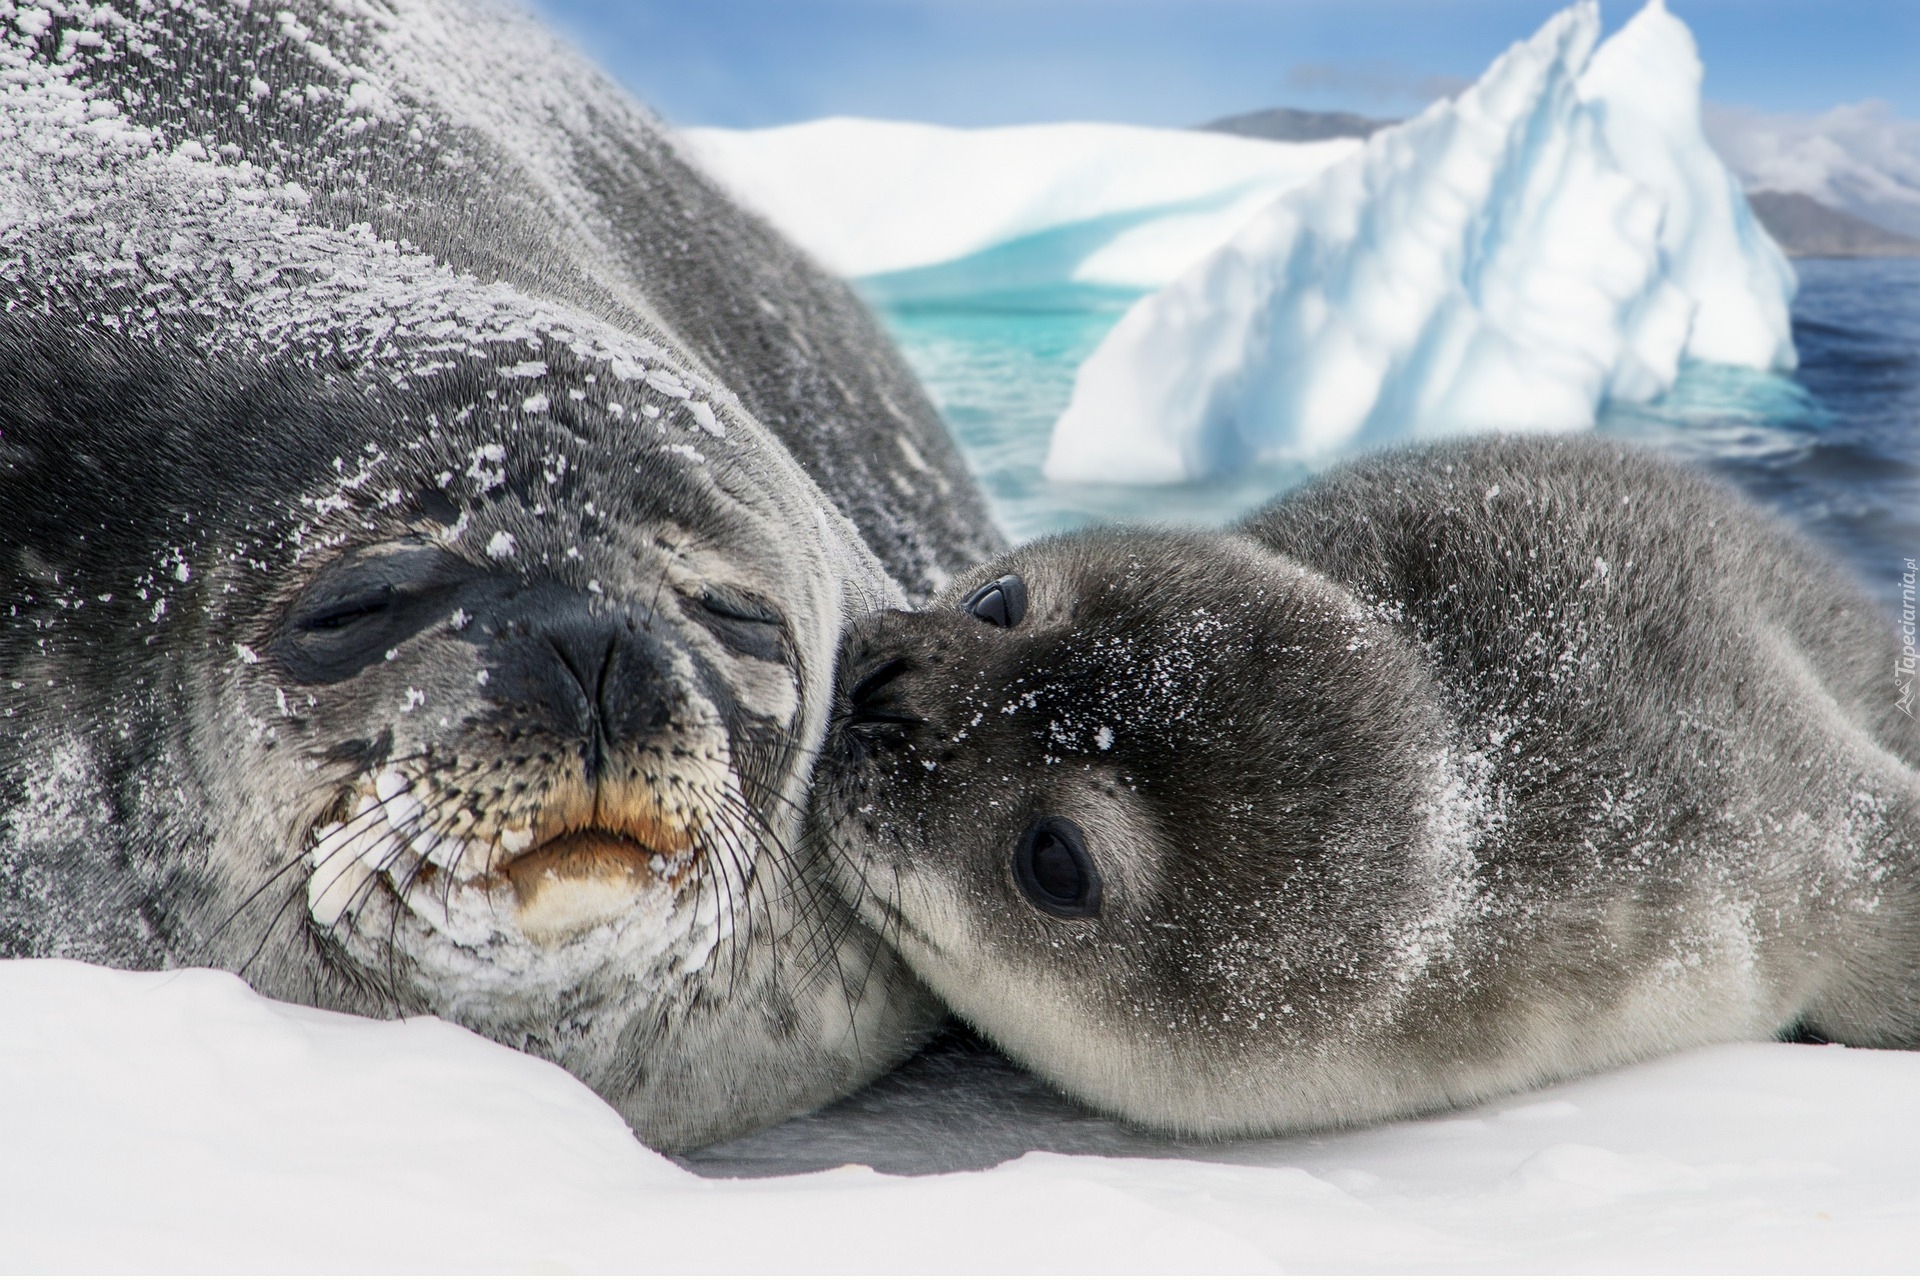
(153, 226)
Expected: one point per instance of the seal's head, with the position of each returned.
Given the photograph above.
(431, 698)
(1140, 806)
(530, 725)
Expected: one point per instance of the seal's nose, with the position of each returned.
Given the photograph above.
(584, 670)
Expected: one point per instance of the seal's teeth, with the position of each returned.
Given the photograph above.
(426, 904)
(379, 848)
(426, 844)
(516, 839)
(333, 890)
(328, 841)
(448, 853)
(390, 784)
(402, 809)
(403, 873)
(483, 858)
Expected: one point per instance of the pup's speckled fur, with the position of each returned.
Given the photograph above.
(1463, 769)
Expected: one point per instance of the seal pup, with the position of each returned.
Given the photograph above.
(1461, 770)
(427, 514)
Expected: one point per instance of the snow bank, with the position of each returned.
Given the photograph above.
(1559, 234)
(1124, 205)
(178, 1122)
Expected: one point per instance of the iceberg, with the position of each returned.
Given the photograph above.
(1559, 235)
(1028, 205)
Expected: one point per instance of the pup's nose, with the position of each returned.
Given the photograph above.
(873, 697)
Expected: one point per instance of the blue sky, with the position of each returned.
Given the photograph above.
(1177, 62)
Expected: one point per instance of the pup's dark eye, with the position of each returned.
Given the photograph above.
(742, 623)
(1054, 871)
(364, 604)
(1001, 603)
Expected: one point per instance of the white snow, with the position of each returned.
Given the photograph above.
(1126, 205)
(1559, 234)
(177, 1121)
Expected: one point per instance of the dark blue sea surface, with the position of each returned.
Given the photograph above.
(1834, 446)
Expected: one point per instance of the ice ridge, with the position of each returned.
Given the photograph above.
(1118, 205)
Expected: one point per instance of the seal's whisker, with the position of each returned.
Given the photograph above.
(716, 881)
(266, 935)
(798, 884)
(835, 924)
(771, 846)
(733, 880)
(290, 864)
(738, 807)
(877, 932)
(452, 876)
(822, 929)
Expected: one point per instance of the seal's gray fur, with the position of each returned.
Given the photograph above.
(1461, 770)
(405, 457)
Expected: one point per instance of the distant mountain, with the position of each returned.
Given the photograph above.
(1284, 124)
(1805, 228)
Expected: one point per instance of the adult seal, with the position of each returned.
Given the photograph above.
(1462, 770)
(427, 514)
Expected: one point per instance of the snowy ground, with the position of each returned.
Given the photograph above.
(177, 1121)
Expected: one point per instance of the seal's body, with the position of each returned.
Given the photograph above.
(427, 513)
(1461, 770)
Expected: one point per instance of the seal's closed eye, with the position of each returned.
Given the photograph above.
(1001, 603)
(334, 615)
(1054, 871)
(742, 623)
(363, 604)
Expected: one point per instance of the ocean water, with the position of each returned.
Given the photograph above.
(1835, 446)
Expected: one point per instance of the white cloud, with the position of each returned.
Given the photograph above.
(1374, 81)
(1861, 157)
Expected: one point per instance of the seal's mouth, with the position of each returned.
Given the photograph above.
(578, 860)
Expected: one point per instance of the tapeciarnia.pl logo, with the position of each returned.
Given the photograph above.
(1903, 665)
